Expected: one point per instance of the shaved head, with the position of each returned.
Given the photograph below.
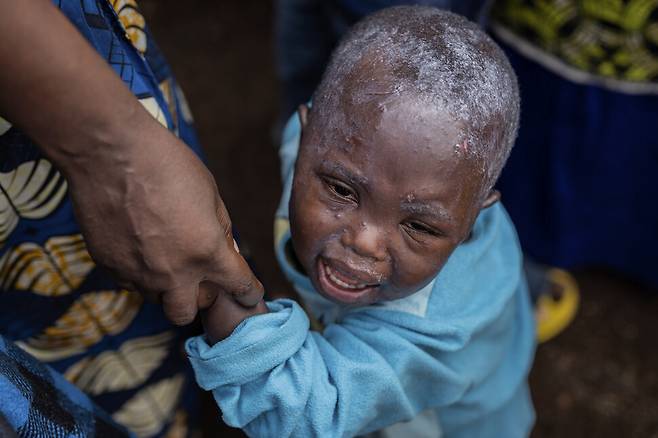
(440, 61)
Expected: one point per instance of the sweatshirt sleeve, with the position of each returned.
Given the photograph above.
(274, 377)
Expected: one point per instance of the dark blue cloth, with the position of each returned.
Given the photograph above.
(360, 8)
(582, 181)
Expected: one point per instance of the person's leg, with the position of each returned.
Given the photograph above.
(304, 40)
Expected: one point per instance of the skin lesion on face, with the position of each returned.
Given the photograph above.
(376, 219)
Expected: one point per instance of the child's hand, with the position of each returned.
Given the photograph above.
(225, 314)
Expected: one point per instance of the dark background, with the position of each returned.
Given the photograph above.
(597, 379)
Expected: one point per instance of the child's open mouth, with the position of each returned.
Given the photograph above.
(341, 284)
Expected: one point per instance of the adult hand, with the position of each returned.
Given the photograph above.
(155, 219)
(148, 208)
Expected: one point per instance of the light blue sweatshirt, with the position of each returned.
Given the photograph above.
(450, 360)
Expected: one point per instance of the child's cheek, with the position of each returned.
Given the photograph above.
(311, 224)
(416, 270)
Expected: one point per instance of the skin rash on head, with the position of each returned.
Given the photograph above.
(380, 202)
(441, 57)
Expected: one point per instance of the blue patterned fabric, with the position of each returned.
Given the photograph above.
(54, 302)
(38, 402)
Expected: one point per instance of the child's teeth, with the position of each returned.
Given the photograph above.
(340, 282)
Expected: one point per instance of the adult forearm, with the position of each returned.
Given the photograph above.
(148, 208)
(55, 87)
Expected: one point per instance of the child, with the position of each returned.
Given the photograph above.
(398, 247)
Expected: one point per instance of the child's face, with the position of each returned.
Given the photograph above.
(379, 203)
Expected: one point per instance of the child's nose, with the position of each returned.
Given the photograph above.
(367, 240)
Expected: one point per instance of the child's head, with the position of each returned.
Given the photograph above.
(408, 132)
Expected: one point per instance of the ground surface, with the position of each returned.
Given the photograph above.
(597, 379)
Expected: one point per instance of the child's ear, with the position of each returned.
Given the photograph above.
(302, 112)
(491, 199)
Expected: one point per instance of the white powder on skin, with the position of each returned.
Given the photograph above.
(441, 60)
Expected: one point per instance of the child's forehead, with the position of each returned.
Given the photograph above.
(404, 134)
(399, 132)
(406, 119)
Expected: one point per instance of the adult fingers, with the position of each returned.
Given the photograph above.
(236, 278)
(180, 305)
(233, 274)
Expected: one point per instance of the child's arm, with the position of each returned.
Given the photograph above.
(225, 314)
(274, 377)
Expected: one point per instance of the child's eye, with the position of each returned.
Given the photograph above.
(341, 190)
(420, 228)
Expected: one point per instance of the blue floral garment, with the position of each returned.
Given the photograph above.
(55, 303)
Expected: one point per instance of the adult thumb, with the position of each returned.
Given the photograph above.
(235, 277)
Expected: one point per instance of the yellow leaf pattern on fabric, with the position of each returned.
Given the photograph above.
(91, 317)
(154, 109)
(612, 39)
(132, 21)
(32, 190)
(152, 407)
(55, 269)
(128, 367)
